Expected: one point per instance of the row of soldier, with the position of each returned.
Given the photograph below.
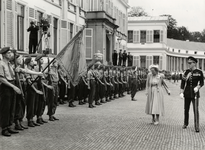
(101, 84)
(28, 91)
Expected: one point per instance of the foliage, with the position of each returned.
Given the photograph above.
(137, 12)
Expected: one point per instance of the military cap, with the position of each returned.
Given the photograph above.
(27, 60)
(4, 50)
(192, 58)
(38, 57)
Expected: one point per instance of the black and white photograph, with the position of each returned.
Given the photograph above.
(102, 75)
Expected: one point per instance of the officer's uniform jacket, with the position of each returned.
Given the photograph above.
(190, 80)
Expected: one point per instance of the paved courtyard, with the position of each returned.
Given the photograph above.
(118, 125)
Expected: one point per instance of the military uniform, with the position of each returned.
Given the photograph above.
(7, 96)
(53, 93)
(188, 84)
(92, 86)
(134, 84)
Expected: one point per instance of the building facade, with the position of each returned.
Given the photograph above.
(65, 19)
(148, 43)
(105, 21)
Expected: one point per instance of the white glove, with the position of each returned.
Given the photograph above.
(181, 95)
(196, 89)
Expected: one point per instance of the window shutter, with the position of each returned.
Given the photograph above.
(134, 36)
(148, 37)
(161, 36)
(147, 61)
(151, 36)
(138, 37)
(107, 6)
(31, 12)
(89, 42)
(63, 35)
(138, 61)
(9, 4)
(151, 60)
(160, 62)
(10, 29)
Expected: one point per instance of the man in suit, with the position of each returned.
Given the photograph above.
(33, 37)
(114, 58)
(124, 57)
(120, 58)
(129, 59)
(192, 81)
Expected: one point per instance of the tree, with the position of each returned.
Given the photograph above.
(203, 36)
(195, 36)
(172, 31)
(183, 33)
(137, 12)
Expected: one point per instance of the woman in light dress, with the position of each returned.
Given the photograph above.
(155, 97)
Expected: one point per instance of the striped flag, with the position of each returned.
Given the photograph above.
(72, 58)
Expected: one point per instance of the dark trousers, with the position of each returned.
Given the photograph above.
(124, 62)
(52, 99)
(7, 106)
(71, 93)
(92, 91)
(32, 46)
(101, 91)
(115, 62)
(195, 103)
(20, 108)
(134, 87)
(31, 103)
(62, 90)
(40, 105)
(119, 62)
(97, 91)
(83, 91)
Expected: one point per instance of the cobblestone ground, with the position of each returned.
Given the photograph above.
(117, 125)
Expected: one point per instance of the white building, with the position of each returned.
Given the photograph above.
(148, 43)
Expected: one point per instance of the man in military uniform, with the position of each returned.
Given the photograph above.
(192, 81)
(134, 83)
(7, 93)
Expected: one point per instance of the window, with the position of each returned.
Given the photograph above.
(156, 36)
(187, 52)
(195, 52)
(143, 36)
(143, 61)
(71, 30)
(172, 50)
(20, 27)
(130, 36)
(89, 42)
(179, 51)
(155, 59)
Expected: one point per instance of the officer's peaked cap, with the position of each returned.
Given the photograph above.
(192, 58)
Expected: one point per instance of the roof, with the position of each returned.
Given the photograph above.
(186, 45)
(150, 18)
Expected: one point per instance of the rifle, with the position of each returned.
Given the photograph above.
(40, 80)
(18, 82)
